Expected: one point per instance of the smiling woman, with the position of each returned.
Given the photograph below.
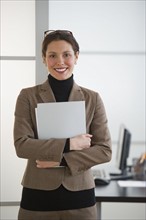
(62, 167)
(60, 59)
(60, 53)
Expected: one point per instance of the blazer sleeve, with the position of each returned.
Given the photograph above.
(100, 150)
(26, 141)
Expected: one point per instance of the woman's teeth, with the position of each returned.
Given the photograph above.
(60, 70)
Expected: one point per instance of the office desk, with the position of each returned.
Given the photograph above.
(114, 193)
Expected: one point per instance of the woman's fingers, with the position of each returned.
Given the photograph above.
(46, 164)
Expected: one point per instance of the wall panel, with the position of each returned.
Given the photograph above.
(15, 75)
(17, 70)
(17, 28)
(102, 26)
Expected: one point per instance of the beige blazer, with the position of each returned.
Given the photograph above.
(78, 175)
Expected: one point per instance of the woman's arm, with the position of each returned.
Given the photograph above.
(79, 142)
(100, 150)
(26, 141)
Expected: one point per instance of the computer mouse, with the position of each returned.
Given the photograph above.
(99, 181)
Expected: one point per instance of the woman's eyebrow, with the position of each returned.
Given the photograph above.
(51, 52)
(67, 51)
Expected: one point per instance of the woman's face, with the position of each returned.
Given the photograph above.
(60, 59)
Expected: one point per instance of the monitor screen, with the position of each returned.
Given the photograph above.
(123, 149)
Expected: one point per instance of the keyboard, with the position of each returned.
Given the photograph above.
(101, 177)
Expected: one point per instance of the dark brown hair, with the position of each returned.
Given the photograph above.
(59, 35)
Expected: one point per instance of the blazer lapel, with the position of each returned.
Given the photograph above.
(76, 94)
(47, 95)
(46, 92)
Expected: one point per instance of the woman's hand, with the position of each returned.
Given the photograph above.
(46, 164)
(80, 142)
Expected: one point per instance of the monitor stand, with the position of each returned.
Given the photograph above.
(125, 175)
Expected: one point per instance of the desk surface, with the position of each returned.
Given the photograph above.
(114, 193)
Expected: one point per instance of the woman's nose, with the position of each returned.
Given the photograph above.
(60, 60)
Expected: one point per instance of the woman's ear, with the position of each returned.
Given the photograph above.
(44, 60)
(76, 55)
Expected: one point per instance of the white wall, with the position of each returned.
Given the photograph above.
(17, 71)
(111, 35)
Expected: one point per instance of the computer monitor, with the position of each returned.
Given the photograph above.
(123, 149)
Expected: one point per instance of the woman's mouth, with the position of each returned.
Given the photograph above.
(60, 70)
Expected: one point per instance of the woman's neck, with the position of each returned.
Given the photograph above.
(61, 88)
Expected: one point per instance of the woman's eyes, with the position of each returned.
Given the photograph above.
(52, 55)
(65, 55)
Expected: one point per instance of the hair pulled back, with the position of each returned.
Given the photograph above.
(59, 35)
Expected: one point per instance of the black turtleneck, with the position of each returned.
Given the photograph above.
(61, 88)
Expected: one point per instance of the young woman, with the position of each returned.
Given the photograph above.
(58, 182)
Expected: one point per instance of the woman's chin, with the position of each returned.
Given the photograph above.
(62, 76)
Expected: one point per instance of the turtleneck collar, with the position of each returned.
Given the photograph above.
(61, 88)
